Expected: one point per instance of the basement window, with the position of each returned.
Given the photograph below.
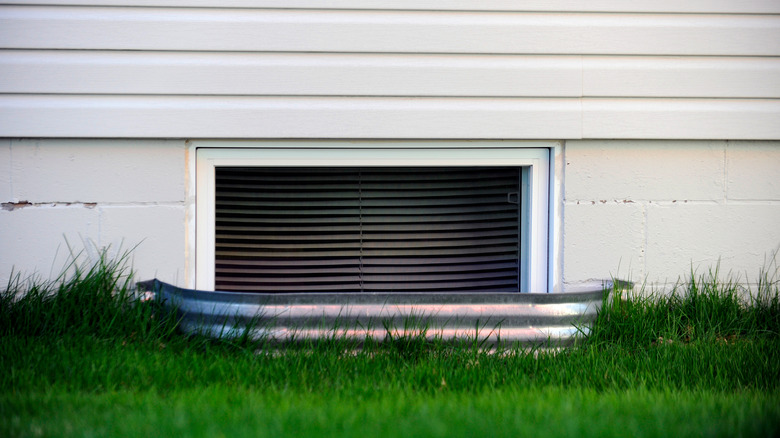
(322, 218)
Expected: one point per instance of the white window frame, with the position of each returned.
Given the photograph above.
(534, 157)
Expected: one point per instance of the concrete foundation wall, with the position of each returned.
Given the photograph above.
(631, 209)
(89, 194)
(652, 210)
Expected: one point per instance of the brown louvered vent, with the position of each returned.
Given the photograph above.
(367, 230)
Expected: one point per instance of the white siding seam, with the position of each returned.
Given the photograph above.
(341, 96)
(674, 98)
(587, 57)
(594, 6)
(291, 99)
(356, 98)
(580, 99)
(448, 7)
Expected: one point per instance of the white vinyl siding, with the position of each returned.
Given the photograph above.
(213, 73)
(377, 69)
(276, 30)
(672, 6)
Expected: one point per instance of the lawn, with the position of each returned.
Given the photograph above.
(84, 357)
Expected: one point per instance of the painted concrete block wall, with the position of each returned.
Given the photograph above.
(652, 210)
(639, 209)
(119, 194)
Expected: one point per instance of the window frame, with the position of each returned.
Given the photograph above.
(534, 158)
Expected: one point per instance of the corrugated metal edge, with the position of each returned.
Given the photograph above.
(493, 318)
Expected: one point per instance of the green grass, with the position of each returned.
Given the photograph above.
(220, 410)
(86, 357)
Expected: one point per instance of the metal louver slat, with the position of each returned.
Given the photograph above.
(371, 229)
(283, 231)
(439, 198)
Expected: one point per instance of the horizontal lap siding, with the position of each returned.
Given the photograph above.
(689, 6)
(290, 74)
(187, 29)
(295, 74)
(543, 72)
(284, 117)
(289, 117)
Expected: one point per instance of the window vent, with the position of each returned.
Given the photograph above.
(374, 229)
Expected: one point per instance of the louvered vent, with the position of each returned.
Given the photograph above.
(367, 230)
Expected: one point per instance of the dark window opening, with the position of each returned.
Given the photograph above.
(373, 229)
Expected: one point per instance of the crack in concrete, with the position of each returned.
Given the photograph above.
(11, 206)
